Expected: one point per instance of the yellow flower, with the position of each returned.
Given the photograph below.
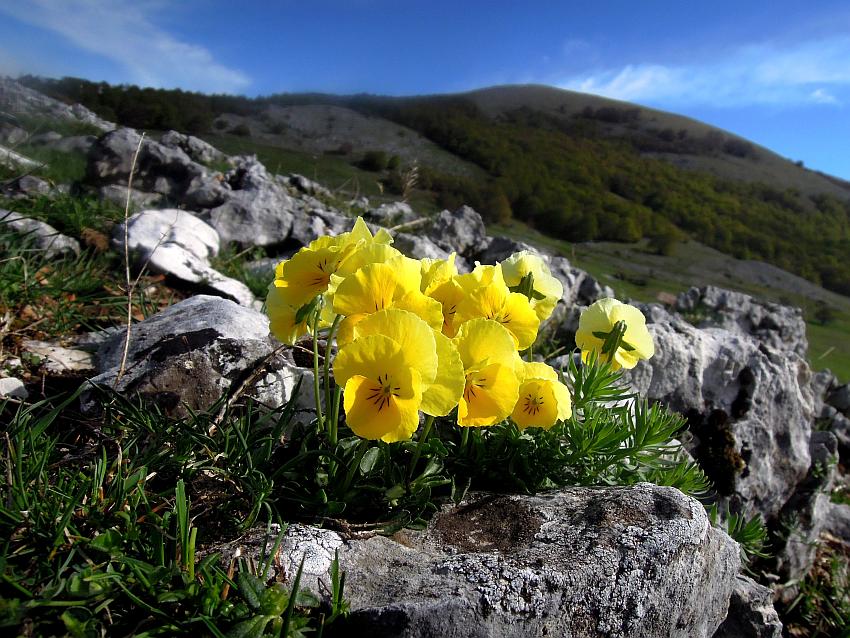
(382, 388)
(543, 399)
(490, 363)
(449, 294)
(436, 272)
(282, 316)
(378, 286)
(306, 275)
(546, 290)
(603, 323)
(433, 355)
(488, 296)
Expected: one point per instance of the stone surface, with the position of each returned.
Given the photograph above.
(73, 144)
(461, 231)
(836, 522)
(17, 98)
(197, 149)
(258, 211)
(308, 186)
(781, 327)
(839, 398)
(117, 194)
(392, 214)
(500, 248)
(10, 157)
(193, 352)
(12, 388)
(751, 612)
(804, 514)
(26, 186)
(60, 360)
(44, 236)
(749, 408)
(640, 561)
(176, 243)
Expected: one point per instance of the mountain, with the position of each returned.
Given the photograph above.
(576, 166)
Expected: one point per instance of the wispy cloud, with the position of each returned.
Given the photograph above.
(124, 32)
(808, 72)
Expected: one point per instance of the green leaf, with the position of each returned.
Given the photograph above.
(252, 628)
(367, 463)
(107, 542)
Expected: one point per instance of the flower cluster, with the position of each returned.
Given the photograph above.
(416, 336)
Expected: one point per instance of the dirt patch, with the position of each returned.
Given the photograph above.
(495, 523)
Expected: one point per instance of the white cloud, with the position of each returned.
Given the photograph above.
(122, 31)
(808, 72)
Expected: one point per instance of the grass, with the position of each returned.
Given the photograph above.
(102, 521)
(58, 167)
(636, 273)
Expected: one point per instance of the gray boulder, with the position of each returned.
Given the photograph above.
(781, 327)
(12, 388)
(197, 149)
(43, 235)
(26, 186)
(307, 186)
(310, 224)
(177, 243)
(73, 144)
(117, 194)
(749, 408)
(258, 211)
(839, 398)
(193, 352)
(804, 515)
(836, 522)
(12, 135)
(159, 168)
(500, 248)
(751, 612)
(461, 231)
(639, 561)
(392, 214)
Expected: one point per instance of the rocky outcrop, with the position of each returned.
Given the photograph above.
(751, 612)
(257, 209)
(749, 408)
(461, 231)
(17, 98)
(193, 352)
(780, 327)
(42, 235)
(195, 148)
(638, 561)
(176, 243)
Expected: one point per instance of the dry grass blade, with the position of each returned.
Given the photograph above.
(130, 285)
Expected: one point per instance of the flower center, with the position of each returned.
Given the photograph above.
(382, 391)
(532, 404)
(474, 381)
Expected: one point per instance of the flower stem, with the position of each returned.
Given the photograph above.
(464, 439)
(429, 422)
(330, 337)
(320, 425)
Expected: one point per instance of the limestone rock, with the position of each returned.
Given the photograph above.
(461, 231)
(26, 186)
(19, 99)
(117, 194)
(749, 408)
(308, 186)
(392, 214)
(751, 612)
(10, 157)
(640, 561)
(12, 388)
(193, 352)
(781, 327)
(61, 360)
(176, 243)
(43, 235)
(197, 149)
(839, 398)
(258, 211)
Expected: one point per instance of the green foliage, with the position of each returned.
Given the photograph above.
(101, 533)
(66, 293)
(822, 606)
(749, 533)
(374, 161)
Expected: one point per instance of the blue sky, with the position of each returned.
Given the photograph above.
(775, 72)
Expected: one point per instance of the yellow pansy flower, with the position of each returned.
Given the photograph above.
(432, 353)
(449, 294)
(378, 286)
(282, 315)
(607, 320)
(382, 390)
(543, 399)
(491, 365)
(436, 272)
(546, 290)
(488, 296)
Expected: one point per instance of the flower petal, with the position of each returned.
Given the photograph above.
(440, 398)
